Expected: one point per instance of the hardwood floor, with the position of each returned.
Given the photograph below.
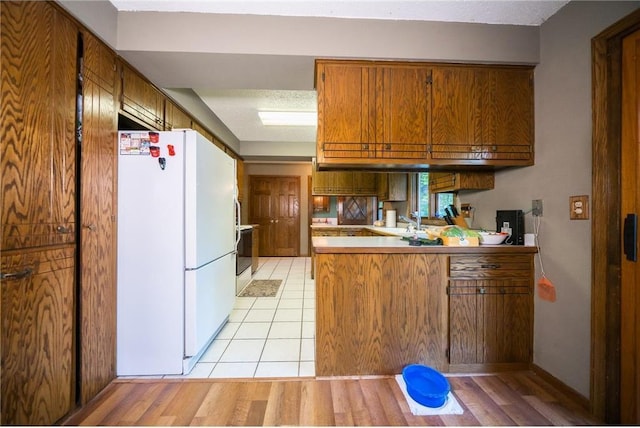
(514, 398)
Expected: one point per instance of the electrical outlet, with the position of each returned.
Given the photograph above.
(536, 207)
(579, 207)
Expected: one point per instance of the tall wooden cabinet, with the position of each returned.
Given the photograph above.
(37, 140)
(97, 219)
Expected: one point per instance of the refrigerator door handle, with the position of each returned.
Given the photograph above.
(237, 222)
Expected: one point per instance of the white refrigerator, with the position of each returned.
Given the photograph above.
(176, 249)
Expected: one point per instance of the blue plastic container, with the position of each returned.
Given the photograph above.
(425, 385)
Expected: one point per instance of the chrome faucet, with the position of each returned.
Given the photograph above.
(416, 214)
(412, 225)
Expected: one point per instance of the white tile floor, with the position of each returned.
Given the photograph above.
(268, 336)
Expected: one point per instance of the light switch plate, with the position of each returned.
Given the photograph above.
(579, 207)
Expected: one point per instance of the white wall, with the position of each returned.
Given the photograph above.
(562, 169)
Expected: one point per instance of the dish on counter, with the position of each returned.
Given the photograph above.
(492, 238)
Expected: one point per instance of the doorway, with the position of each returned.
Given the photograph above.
(609, 401)
(274, 204)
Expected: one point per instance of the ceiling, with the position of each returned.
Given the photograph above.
(236, 104)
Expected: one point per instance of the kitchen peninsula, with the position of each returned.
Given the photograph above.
(382, 304)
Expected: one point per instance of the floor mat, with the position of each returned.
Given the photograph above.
(262, 288)
(450, 406)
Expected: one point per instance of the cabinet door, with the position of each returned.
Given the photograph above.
(456, 118)
(141, 99)
(37, 336)
(97, 316)
(506, 321)
(37, 125)
(392, 186)
(465, 335)
(454, 181)
(332, 182)
(403, 111)
(490, 321)
(507, 115)
(345, 97)
(364, 183)
(175, 117)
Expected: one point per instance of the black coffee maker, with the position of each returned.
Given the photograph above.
(511, 222)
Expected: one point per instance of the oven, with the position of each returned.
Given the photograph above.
(244, 258)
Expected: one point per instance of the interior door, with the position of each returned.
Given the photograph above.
(630, 204)
(274, 204)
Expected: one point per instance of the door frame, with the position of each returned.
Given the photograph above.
(606, 51)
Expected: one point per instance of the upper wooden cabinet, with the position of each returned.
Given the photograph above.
(416, 115)
(345, 183)
(372, 113)
(454, 181)
(175, 117)
(141, 99)
(37, 124)
(482, 115)
(392, 186)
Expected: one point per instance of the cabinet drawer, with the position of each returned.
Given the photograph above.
(485, 289)
(478, 267)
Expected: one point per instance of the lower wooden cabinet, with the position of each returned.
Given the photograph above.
(376, 313)
(490, 310)
(37, 336)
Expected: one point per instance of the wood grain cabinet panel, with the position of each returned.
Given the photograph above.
(411, 114)
(454, 181)
(37, 125)
(97, 299)
(344, 89)
(38, 67)
(507, 115)
(175, 117)
(490, 310)
(370, 113)
(141, 100)
(37, 314)
(343, 183)
(376, 313)
(393, 186)
(403, 101)
(482, 115)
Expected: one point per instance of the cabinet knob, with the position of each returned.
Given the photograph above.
(365, 147)
(482, 290)
(63, 229)
(91, 227)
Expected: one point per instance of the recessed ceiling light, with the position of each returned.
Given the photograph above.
(288, 118)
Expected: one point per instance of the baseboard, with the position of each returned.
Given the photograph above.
(569, 392)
